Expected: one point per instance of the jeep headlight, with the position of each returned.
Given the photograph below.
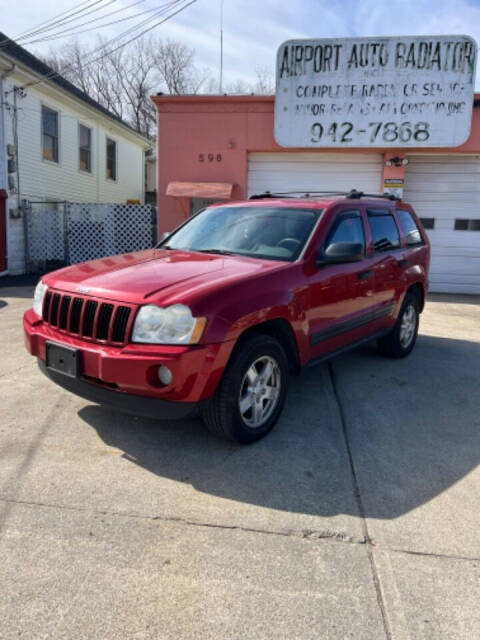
(38, 296)
(167, 325)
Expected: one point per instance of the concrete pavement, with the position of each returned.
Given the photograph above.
(356, 518)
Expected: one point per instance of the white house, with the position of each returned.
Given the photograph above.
(57, 144)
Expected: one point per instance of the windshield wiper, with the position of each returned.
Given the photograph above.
(218, 251)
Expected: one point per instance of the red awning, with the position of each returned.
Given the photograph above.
(213, 190)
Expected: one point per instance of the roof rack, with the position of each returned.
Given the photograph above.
(354, 194)
(360, 194)
(296, 194)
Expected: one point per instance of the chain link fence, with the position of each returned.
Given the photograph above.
(63, 233)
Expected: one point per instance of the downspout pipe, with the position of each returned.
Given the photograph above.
(3, 153)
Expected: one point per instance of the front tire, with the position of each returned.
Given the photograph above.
(400, 342)
(252, 392)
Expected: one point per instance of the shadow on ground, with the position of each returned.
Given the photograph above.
(18, 286)
(413, 426)
(454, 298)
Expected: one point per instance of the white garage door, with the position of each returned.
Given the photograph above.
(447, 190)
(314, 171)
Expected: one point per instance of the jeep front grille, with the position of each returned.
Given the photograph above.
(88, 318)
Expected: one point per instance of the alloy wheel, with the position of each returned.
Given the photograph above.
(260, 391)
(408, 326)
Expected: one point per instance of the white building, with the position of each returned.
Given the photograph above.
(57, 144)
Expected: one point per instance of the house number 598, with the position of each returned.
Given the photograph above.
(210, 157)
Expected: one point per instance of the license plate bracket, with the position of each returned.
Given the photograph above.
(62, 359)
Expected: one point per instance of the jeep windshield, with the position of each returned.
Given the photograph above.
(272, 233)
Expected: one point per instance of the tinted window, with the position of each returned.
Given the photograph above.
(275, 233)
(409, 227)
(385, 234)
(348, 228)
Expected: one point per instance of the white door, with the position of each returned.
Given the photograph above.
(314, 171)
(447, 189)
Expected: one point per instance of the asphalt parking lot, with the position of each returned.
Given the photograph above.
(358, 517)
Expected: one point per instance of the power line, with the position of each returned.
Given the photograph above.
(159, 11)
(5, 43)
(25, 33)
(68, 33)
(65, 19)
(52, 74)
(102, 46)
(64, 22)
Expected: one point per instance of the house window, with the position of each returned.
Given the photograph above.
(85, 136)
(111, 159)
(50, 134)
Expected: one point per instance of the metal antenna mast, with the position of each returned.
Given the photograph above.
(220, 83)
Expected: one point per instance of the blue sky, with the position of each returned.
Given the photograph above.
(253, 29)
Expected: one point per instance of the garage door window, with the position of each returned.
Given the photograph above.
(409, 227)
(385, 235)
(428, 223)
(463, 224)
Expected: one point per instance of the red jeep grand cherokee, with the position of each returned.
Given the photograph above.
(223, 309)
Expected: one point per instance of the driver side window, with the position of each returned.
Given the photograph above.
(348, 227)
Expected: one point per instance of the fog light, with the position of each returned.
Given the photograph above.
(165, 375)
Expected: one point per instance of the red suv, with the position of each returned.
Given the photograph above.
(221, 311)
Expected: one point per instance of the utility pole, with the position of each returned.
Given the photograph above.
(220, 83)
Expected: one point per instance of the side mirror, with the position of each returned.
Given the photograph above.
(339, 253)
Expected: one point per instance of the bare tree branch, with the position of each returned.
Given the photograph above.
(123, 81)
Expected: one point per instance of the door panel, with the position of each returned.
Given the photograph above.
(386, 260)
(341, 295)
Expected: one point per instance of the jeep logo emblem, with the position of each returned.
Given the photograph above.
(83, 289)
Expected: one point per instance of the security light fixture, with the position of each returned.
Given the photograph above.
(396, 162)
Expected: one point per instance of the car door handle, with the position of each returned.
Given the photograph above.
(402, 263)
(364, 275)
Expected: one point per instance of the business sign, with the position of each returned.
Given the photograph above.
(375, 92)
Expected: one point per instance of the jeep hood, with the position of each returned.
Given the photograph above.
(139, 277)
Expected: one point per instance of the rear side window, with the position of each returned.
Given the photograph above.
(348, 227)
(409, 227)
(384, 230)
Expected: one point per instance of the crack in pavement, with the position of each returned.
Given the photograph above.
(306, 534)
(361, 508)
(430, 554)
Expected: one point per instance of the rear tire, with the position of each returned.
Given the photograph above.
(252, 392)
(400, 342)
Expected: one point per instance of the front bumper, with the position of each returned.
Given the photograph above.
(126, 402)
(131, 370)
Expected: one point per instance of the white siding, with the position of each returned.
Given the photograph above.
(445, 188)
(44, 180)
(314, 171)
